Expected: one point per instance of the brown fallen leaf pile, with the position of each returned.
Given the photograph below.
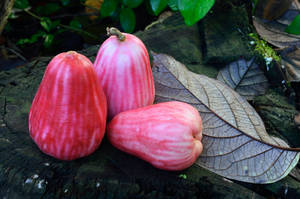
(245, 77)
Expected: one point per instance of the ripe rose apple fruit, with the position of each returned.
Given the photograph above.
(68, 115)
(167, 135)
(123, 68)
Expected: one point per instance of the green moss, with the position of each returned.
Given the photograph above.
(263, 49)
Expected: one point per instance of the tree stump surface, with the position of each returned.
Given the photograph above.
(25, 172)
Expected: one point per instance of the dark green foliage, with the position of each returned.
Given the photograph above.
(48, 40)
(108, 8)
(21, 4)
(123, 11)
(127, 19)
(47, 34)
(158, 5)
(294, 27)
(47, 9)
(173, 4)
(46, 23)
(34, 38)
(132, 3)
(75, 24)
(49, 27)
(193, 11)
(65, 2)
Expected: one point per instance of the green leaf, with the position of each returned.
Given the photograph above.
(254, 3)
(21, 4)
(184, 176)
(37, 35)
(65, 2)
(148, 8)
(158, 5)
(22, 41)
(48, 40)
(47, 9)
(193, 11)
(46, 23)
(132, 3)
(127, 19)
(294, 27)
(108, 7)
(8, 27)
(54, 24)
(173, 4)
(59, 31)
(13, 15)
(31, 40)
(75, 24)
(49, 25)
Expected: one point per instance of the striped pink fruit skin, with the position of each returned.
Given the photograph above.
(124, 71)
(167, 135)
(67, 118)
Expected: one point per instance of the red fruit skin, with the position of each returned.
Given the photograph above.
(124, 71)
(68, 115)
(167, 135)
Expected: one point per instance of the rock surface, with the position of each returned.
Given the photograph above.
(278, 114)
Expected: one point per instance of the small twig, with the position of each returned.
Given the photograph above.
(64, 26)
(75, 15)
(32, 14)
(17, 54)
(14, 52)
(115, 32)
(4, 52)
(79, 30)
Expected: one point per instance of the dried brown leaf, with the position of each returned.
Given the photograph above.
(291, 62)
(297, 120)
(274, 31)
(265, 8)
(296, 3)
(245, 77)
(236, 144)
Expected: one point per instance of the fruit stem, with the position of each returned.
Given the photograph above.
(116, 32)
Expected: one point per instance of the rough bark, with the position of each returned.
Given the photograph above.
(278, 114)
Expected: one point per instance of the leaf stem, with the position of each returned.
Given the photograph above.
(116, 32)
(63, 26)
(79, 30)
(32, 14)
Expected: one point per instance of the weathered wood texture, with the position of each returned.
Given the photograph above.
(226, 34)
(25, 172)
(278, 114)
